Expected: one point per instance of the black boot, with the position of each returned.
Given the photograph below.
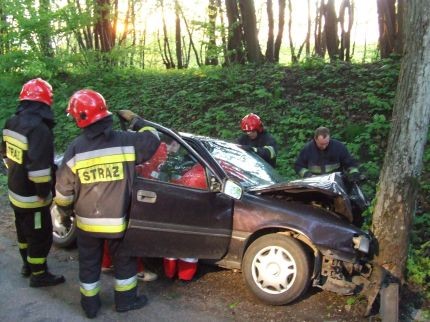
(25, 270)
(91, 306)
(138, 303)
(46, 279)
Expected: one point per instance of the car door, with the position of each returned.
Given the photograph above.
(174, 212)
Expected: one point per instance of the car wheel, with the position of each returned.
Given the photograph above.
(64, 235)
(276, 269)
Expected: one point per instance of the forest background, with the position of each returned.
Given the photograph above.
(200, 66)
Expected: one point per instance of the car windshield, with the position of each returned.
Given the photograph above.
(245, 167)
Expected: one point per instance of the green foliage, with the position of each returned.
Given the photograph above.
(353, 100)
(418, 263)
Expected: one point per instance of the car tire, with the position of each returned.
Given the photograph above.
(276, 269)
(63, 236)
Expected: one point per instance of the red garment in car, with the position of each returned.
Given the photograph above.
(195, 178)
(150, 168)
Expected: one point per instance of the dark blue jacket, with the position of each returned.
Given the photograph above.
(334, 158)
(264, 145)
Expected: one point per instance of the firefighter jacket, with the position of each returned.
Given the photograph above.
(264, 145)
(28, 150)
(97, 173)
(334, 158)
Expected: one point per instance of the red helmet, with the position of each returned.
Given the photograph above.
(87, 107)
(37, 90)
(251, 122)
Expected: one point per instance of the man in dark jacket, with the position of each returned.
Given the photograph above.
(257, 139)
(324, 155)
(28, 152)
(96, 178)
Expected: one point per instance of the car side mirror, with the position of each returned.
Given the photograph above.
(232, 189)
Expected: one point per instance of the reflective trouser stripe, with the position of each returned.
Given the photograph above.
(126, 284)
(22, 245)
(36, 261)
(89, 289)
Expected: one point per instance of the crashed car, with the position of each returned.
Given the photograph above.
(283, 236)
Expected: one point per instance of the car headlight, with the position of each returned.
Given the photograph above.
(361, 243)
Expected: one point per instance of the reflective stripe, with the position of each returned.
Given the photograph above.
(189, 260)
(150, 129)
(303, 171)
(271, 150)
(40, 175)
(36, 260)
(15, 138)
(22, 245)
(125, 285)
(38, 272)
(63, 200)
(28, 202)
(353, 170)
(89, 289)
(14, 153)
(315, 169)
(332, 167)
(101, 225)
(101, 156)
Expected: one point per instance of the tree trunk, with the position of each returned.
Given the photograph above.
(396, 196)
(212, 51)
(103, 28)
(270, 35)
(45, 29)
(249, 21)
(235, 33)
(290, 36)
(223, 34)
(308, 34)
(345, 38)
(320, 44)
(178, 36)
(281, 25)
(390, 26)
(4, 41)
(330, 30)
(190, 35)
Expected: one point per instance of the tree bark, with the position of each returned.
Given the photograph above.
(103, 29)
(396, 196)
(178, 36)
(345, 38)
(390, 23)
(212, 51)
(281, 25)
(235, 33)
(330, 30)
(45, 29)
(249, 21)
(270, 34)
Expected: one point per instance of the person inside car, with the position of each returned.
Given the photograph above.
(256, 139)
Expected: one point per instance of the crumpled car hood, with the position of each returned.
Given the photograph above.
(329, 186)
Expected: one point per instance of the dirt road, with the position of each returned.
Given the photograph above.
(214, 295)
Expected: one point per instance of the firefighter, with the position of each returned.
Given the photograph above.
(28, 152)
(96, 179)
(323, 155)
(257, 139)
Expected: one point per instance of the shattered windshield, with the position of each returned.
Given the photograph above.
(245, 167)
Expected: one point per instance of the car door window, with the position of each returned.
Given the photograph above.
(173, 163)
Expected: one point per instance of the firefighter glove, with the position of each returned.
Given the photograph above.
(354, 177)
(307, 174)
(127, 115)
(249, 148)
